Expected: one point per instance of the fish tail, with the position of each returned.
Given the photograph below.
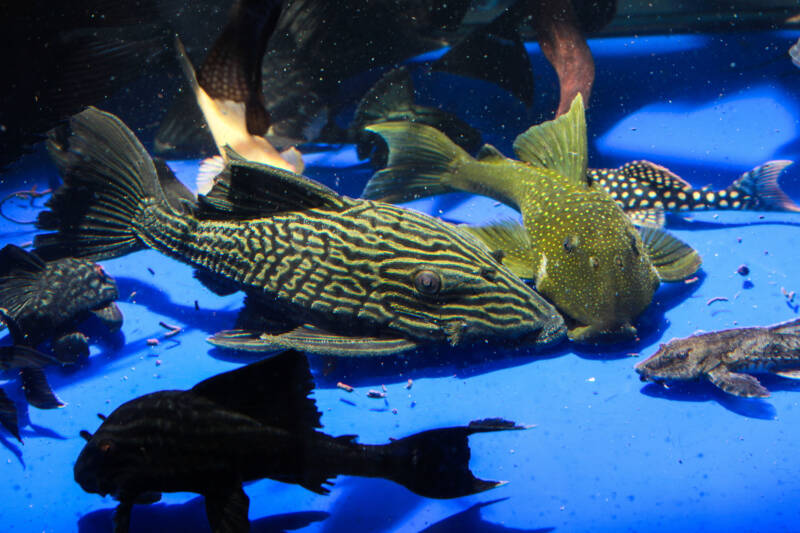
(435, 463)
(422, 162)
(109, 181)
(758, 189)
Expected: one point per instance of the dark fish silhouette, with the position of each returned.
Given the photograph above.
(727, 357)
(343, 276)
(252, 423)
(645, 191)
(48, 300)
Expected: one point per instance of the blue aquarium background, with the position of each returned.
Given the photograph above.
(606, 452)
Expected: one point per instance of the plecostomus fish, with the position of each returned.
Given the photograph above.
(578, 246)
(253, 423)
(335, 275)
(646, 190)
(727, 357)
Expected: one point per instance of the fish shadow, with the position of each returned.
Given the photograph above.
(426, 362)
(471, 521)
(704, 392)
(190, 516)
(157, 301)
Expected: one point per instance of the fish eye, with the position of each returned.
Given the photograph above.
(571, 243)
(498, 255)
(427, 282)
(105, 446)
(488, 273)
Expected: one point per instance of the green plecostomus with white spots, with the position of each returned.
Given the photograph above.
(332, 274)
(577, 244)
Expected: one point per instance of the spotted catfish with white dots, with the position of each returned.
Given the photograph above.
(579, 247)
(646, 190)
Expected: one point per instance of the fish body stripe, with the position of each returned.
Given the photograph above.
(355, 264)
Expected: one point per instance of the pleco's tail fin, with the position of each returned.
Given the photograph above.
(108, 179)
(435, 463)
(421, 163)
(758, 189)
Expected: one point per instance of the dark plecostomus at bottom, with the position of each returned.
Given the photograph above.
(727, 357)
(252, 423)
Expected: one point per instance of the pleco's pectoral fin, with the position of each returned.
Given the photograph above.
(309, 339)
(743, 385)
(651, 218)
(8, 415)
(227, 510)
(510, 242)
(37, 389)
(122, 517)
(673, 259)
(110, 316)
(558, 144)
(788, 374)
(592, 333)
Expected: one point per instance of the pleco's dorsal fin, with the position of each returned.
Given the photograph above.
(392, 93)
(558, 144)
(673, 259)
(791, 327)
(274, 391)
(12, 257)
(508, 240)
(489, 152)
(653, 175)
(250, 190)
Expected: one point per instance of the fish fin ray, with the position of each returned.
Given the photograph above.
(227, 510)
(673, 259)
(312, 340)
(274, 391)
(37, 389)
(558, 144)
(8, 415)
(253, 190)
(743, 385)
(421, 162)
(652, 217)
(510, 237)
(761, 184)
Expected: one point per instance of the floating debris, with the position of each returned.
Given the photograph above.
(716, 299)
(747, 284)
(376, 394)
(344, 386)
(743, 270)
(691, 280)
(152, 342)
(410, 383)
(172, 330)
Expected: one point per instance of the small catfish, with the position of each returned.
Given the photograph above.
(253, 423)
(344, 276)
(646, 190)
(727, 357)
(578, 246)
(48, 300)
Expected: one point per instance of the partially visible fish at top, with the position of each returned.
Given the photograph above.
(228, 90)
(794, 53)
(646, 190)
(577, 245)
(335, 275)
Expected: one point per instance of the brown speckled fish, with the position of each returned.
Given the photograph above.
(646, 190)
(582, 251)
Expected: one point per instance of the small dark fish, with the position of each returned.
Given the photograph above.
(392, 98)
(342, 275)
(645, 191)
(252, 423)
(727, 357)
(48, 300)
(578, 246)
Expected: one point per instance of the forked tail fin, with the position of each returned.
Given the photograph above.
(435, 463)
(108, 179)
(759, 189)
